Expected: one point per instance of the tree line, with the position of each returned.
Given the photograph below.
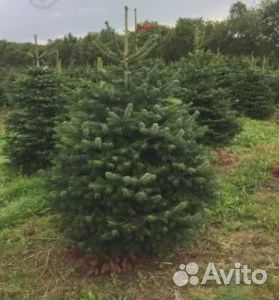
(245, 32)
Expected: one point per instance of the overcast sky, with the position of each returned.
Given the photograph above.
(20, 19)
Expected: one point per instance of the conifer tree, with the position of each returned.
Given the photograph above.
(3, 97)
(253, 93)
(7, 79)
(252, 89)
(36, 105)
(129, 175)
(275, 87)
(201, 87)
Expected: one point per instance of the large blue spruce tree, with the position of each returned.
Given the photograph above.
(130, 175)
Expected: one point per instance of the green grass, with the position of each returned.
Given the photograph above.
(256, 132)
(255, 150)
(21, 208)
(234, 293)
(20, 196)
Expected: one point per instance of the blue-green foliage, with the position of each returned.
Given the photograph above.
(130, 175)
(37, 104)
(199, 78)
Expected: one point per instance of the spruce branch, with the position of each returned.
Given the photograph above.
(112, 31)
(106, 51)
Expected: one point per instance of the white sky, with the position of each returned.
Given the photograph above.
(19, 19)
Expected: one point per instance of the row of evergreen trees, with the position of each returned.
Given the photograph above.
(127, 143)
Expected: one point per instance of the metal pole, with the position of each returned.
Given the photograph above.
(136, 28)
(126, 49)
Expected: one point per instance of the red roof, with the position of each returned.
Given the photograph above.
(146, 27)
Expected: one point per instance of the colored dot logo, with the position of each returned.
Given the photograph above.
(186, 274)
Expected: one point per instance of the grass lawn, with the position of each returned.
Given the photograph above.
(242, 226)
